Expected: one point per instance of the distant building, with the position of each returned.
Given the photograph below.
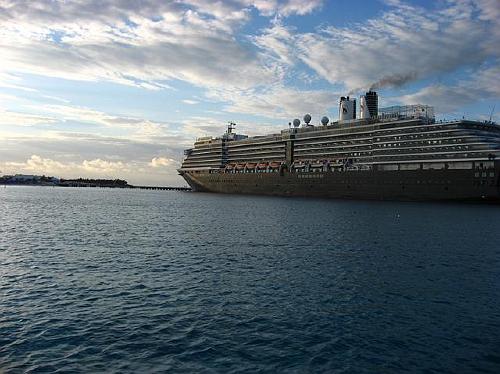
(25, 178)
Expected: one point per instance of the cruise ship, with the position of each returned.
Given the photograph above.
(395, 153)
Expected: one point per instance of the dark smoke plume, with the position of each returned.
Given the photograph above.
(395, 80)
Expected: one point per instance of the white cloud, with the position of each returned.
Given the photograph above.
(88, 115)
(104, 166)
(11, 81)
(190, 102)
(10, 118)
(451, 98)
(40, 165)
(134, 172)
(195, 127)
(405, 44)
(445, 99)
(157, 162)
(36, 163)
(278, 102)
(277, 43)
(284, 8)
(300, 7)
(139, 44)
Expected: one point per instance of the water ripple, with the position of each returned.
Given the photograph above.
(95, 280)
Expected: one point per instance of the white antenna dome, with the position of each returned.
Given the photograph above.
(325, 120)
(296, 122)
(307, 119)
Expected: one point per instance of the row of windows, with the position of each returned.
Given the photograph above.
(251, 171)
(484, 174)
(354, 143)
(387, 167)
(256, 152)
(309, 176)
(205, 157)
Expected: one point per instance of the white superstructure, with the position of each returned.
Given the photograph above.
(347, 109)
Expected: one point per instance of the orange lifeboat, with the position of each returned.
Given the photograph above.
(262, 165)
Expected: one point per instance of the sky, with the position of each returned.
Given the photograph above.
(119, 88)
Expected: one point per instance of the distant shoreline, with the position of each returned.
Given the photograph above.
(45, 181)
(130, 187)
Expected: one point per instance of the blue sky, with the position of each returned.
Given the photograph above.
(117, 89)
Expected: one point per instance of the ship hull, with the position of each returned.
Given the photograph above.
(451, 185)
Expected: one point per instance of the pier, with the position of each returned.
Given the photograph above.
(162, 188)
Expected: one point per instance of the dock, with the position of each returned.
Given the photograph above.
(162, 188)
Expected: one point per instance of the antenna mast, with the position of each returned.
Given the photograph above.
(492, 111)
(231, 127)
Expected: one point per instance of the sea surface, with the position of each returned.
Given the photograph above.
(126, 281)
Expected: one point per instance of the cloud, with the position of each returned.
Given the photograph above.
(104, 166)
(88, 115)
(277, 102)
(445, 99)
(133, 171)
(141, 44)
(452, 98)
(131, 152)
(38, 164)
(10, 81)
(196, 127)
(10, 118)
(404, 44)
(276, 42)
(157, 162)
(126, 43)
(284, 8)
(190, 102)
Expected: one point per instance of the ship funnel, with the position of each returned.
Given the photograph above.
(363, 108)
(372, 103)
(347, 109)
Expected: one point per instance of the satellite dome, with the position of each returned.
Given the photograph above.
(324, 121)
(307, 119)
(296, 122)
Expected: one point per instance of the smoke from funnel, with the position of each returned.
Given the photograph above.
(395, 80)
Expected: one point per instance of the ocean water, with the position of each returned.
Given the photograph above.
(119, 281)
